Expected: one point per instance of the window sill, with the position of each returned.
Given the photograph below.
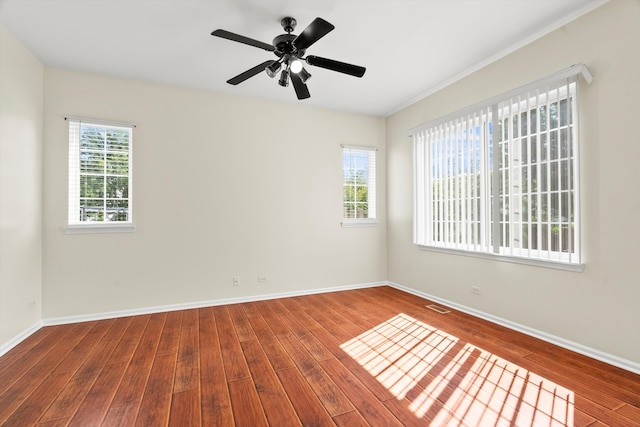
(578, 268)
(93, 228)
(350, 223)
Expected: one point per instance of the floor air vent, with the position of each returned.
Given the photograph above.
(437, 308)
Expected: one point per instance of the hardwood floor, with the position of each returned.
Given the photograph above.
(372, 356)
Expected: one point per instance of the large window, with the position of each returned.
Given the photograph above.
(501, 177)
(100, 178)
(358, 184)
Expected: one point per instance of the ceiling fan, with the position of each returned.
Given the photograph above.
(290, 50)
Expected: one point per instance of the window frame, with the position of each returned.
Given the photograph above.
(74, 224)
(488, 114)
(372, 216)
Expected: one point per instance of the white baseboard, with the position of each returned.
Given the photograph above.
(570, 345)
(171, 307)
(4, 348)
(199, 304)
(611, 359)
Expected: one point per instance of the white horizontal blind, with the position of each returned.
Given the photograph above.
(100, 173)
(359, 182)
(502, 177)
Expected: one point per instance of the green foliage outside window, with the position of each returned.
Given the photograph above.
(104, 173)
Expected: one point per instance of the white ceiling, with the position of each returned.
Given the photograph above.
(410, 47)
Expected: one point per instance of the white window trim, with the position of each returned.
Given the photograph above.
(500, 255)
(358, 222)
(373, 202)
(96, 227)
(578, 268)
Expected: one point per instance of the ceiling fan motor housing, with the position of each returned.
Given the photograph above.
(284, 45)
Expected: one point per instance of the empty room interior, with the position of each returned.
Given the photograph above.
(447, 238)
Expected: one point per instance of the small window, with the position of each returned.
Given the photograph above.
(100, 176)
(358, 185)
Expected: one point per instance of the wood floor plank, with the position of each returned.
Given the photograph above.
(185, 408)
(371, 408)
(629, 411)
(124, 407)
(171, 333)
(343, 309)
(329, 394)
(278, 357)
(308, 407)
(351, 419)
(235, 366)
(80, 352)
(156, 402)
(16, 392)
(400, 408)
(603, 414)
(290, 305)
(247, 409)
(269, 311)
(241, 323)
(372, 356)
(32, 346)
(60, 422)
(580, 419)
(310, 342)
(215, 403)
(74, 391)
(27, 350)
(251, 309)
(275, 402)
(37, 355)
(597, 383)
(188, 362)
(127, 345)
(97, 401)
(343, 331)
(30, 410)
(334, 346)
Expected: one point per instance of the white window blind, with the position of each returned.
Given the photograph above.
(501, 177)
(359, 183)
(100, 173)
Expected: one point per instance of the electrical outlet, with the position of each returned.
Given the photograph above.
(475, 290)
(263, 279)
(236, 280)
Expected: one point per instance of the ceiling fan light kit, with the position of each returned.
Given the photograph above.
(273, 68)
(290, 50)
(284, 78)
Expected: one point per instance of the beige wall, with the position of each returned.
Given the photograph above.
(21, 79)
(600, 307)
(223, 186)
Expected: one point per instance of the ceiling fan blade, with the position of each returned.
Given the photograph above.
(333, 65)
(314, 32)
(242, 39)
(249, 73)
(302, 92)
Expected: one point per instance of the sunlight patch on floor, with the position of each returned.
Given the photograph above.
(455, 383)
